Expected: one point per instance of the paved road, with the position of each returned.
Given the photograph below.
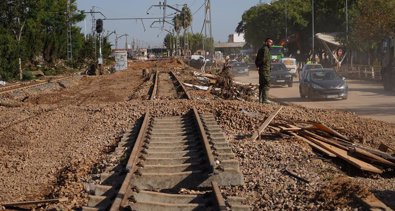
(365, 98)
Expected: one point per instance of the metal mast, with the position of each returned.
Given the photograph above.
(207, 23)
(94, 30)
(312, 30)
(69, 38)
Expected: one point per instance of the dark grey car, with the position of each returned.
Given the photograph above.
(280, 75)
(323, 83)
(239, 68)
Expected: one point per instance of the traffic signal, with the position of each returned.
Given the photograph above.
(99, 25)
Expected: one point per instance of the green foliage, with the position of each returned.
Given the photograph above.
(369, 22)
(375, 21)
(36, 32)
(177, 22)
(195, 42)
(27, 76)
(186, 17)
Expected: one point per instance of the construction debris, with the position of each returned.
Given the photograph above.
(265, 124)
(293, 174)
(224, 85)
(13, 204)
(333, 144)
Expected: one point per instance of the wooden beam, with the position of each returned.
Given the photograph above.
(374, 158)
(265, 124)
(330, 131)
(293, 174)
(341, 153)
(313, 145)
(318, 137)
(9, 204)
(374, 203)
(384, 148)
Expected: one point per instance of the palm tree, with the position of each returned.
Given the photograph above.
(177, 22)
(186, 18)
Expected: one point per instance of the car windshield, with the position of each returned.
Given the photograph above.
(324, 75)
(276, 50)
(313, 66)
(278, 67)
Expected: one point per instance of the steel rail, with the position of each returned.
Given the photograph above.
(131, 166)
(155, 88)
(203, 136)
(182, 85)
(188, 132)
(30, 85)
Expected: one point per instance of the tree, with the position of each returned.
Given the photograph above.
(186, 19)
(177, 22)
(34, 29)
(375, 21)
(15, 17)
(269, 20)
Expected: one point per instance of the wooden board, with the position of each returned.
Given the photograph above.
(320, 138)
(372, 157)
(352, 160)
(315, 146)
(330, 131)
(374, 203)
(265, 124)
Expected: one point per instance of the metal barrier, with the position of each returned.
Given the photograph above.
(369, 72)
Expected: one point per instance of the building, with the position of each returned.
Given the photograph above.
(235, 44)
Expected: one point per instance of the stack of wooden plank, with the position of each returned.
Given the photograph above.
(333, 144)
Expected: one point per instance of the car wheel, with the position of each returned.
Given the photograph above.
(309, 95)
(290, 84)
(301, 93)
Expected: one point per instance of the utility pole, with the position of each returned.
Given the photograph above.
(207, 25)
(69, 38)
(117, 38)
(347, 21)
(94, 30)
(312, 29)
(164, 14)
(286, 21)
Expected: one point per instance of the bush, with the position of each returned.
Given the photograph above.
(27, 76)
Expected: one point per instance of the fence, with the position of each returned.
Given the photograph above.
(368, 72)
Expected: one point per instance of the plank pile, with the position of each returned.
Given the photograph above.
(333, 144)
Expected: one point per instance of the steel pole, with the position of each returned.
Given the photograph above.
(312, 30)
(347, 33)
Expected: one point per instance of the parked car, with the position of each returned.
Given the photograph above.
(323, 83)
(280, 75)
(239, 68)
(307, 67)
(291, 65)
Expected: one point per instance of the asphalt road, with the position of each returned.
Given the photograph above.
(365, 98)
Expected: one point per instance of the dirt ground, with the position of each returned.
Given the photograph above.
(52, 139)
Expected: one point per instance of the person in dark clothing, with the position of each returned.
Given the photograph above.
(263, 61)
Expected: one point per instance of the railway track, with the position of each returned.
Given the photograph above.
(173, 163)
(167, 86)
(19, 86)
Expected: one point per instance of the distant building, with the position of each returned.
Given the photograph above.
(235, 37)
(234, 45)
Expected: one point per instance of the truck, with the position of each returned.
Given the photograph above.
(277, 52)
(388, 63)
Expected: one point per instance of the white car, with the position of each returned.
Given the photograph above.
(291, 65)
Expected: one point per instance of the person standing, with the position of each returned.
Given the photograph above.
(263, 61)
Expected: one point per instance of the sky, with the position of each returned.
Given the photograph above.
(225, 15)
